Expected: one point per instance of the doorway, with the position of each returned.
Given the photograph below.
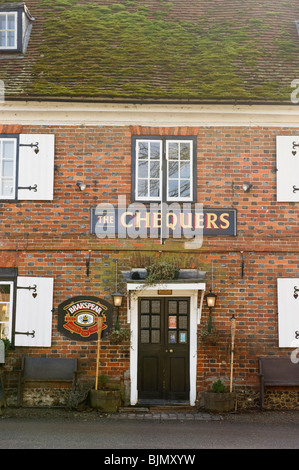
(163, 350)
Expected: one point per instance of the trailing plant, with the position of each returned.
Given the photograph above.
(161, 271)
(209, 335)
(119, 336)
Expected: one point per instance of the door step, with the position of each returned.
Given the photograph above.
(173, 409)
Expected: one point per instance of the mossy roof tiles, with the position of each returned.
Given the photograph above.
(199, 50)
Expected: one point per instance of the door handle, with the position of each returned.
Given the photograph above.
(169, 350)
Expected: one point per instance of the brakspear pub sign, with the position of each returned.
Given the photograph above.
(161, 220)
(78, 317)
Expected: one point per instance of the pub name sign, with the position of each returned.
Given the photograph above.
(110, 222)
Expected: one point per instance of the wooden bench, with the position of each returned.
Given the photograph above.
(46, 369)
(275, 372)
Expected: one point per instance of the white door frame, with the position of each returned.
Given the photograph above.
(195, 291)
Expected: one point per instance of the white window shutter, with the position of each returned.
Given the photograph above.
(36, 170)
(288, 312)
(34, 314)
(287, 163)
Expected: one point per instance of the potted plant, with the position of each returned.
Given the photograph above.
(107, 397)
(219, 399)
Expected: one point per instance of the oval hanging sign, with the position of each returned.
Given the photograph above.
(78, 317)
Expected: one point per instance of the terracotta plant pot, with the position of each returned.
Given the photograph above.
(219, 402)
(107, 401)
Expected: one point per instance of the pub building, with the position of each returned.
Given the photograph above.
(149, 150)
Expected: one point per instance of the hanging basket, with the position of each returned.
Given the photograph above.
(210, 337)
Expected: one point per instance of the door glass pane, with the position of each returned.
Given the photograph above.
(144, 323)
(183, 306)
(144, 306)
(172, 337)
(172, 306)
(144, 336)
(155, 321)
(156, 306)
(183, 321)
(155, 339)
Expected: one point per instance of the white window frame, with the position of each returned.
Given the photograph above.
(164, 142)
(172, 198)
(2, 178)
(11, 284)
(6, 14)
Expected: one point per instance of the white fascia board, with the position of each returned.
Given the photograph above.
(124, 114)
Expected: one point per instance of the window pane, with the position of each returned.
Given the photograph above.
(185, 169)
(173, 170)
(185, 151)
(10, 38)
(155, 151)
(154, 188)
(142, 188)
(173, 151)
(154, 169)
(143, 169)
(11, 22)
(7, 188)
(2, 22)
(142, 150)
(184, 188)
(173, 188)
(2, 39)
(8, 149)
(7, 168)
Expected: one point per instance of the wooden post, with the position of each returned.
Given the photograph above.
(100, 325)
(233, 330)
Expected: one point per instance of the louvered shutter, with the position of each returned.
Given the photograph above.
(36, 170)
(288, 312)
(287, 163)
(34, 314)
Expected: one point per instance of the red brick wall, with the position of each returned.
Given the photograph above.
(53, 239)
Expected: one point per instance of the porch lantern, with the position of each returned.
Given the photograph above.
(211, 303)
(211, 299)
(117, 301)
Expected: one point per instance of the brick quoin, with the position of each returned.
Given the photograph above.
(52, 239)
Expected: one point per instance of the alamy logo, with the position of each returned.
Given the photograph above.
(295, 93)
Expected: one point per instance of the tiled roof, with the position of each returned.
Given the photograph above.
(202, 50)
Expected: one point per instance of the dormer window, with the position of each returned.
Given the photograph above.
(15, 27)
(8, 30)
